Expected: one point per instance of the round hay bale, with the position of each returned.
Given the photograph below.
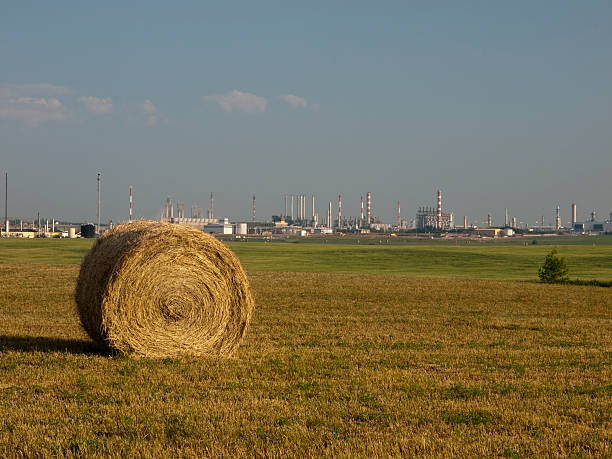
(162, 290)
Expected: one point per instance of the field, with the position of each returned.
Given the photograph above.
(385, 349)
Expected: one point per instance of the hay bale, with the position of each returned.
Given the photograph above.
(161, 290)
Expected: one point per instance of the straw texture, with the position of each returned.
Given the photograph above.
(162, 290)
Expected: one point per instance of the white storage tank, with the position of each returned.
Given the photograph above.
(72, 233)
(241, 229)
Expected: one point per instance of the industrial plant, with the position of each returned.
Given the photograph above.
(300, 215)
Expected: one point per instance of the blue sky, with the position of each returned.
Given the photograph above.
(499, 104)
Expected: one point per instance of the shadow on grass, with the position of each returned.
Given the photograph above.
(45, 344)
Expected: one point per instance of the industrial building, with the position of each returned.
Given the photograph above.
(224, 227)
(428, 218)
(592, 226)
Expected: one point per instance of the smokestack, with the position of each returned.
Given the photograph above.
(212, 206)
(98, 220)
(329, 215)
(506, 219)
(573, 214)
(313, 208)
(439, 209)
(254, 206)
(38, 224)
(292, 208)
(130, 202)
(362, 210)
(285, 214)
(465, 221)
(6, 202)
(53, 225)
(369, 196)
(558, 219)
(339, 211)
(542, 221)
(399, 215)
(489, 221)
(513, 222)
(302, 207)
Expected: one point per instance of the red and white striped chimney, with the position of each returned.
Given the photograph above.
(339, 211)
(369, 207)
(439, 208)
(130, 202)
(362, 209)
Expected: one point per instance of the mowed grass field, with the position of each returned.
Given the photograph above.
(378, 350)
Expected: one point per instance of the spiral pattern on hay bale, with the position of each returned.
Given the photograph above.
(162, 290)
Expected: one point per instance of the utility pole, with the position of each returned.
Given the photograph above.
(6, 202)
(98, 224)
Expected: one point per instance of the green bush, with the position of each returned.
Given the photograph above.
(554, 269)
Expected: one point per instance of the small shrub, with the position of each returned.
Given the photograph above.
(554, 269)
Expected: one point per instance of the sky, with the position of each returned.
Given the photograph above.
(497, 104)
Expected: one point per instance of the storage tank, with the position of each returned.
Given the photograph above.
(508, 232)
(72, 233)
(241, 229)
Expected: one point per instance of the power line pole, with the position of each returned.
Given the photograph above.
(6, 202)
(98, 224)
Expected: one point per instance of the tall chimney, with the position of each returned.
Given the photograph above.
(98, 220)
(506, 219)
(329, 215)
(6, 222)
(254, 206)
(313, 208)
(439, 215)
(399, 215)
(369, 196)
(339, 211)
(285, 214)
(465, 221)
(361, 210)
(212, 206)
(573, 214)
(489, 221)
(292, 208)
(130, 202)
(558, 219)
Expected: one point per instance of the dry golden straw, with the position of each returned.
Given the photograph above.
(161, 290)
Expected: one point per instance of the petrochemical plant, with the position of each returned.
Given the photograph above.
(298, 216)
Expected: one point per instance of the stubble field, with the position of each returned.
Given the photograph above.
(352, 351)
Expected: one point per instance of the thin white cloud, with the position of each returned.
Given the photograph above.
(149, 107)
(31, 111)
(97, 105)
(294, 101)
(16, 90)
(152, 113)
(239, 101)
